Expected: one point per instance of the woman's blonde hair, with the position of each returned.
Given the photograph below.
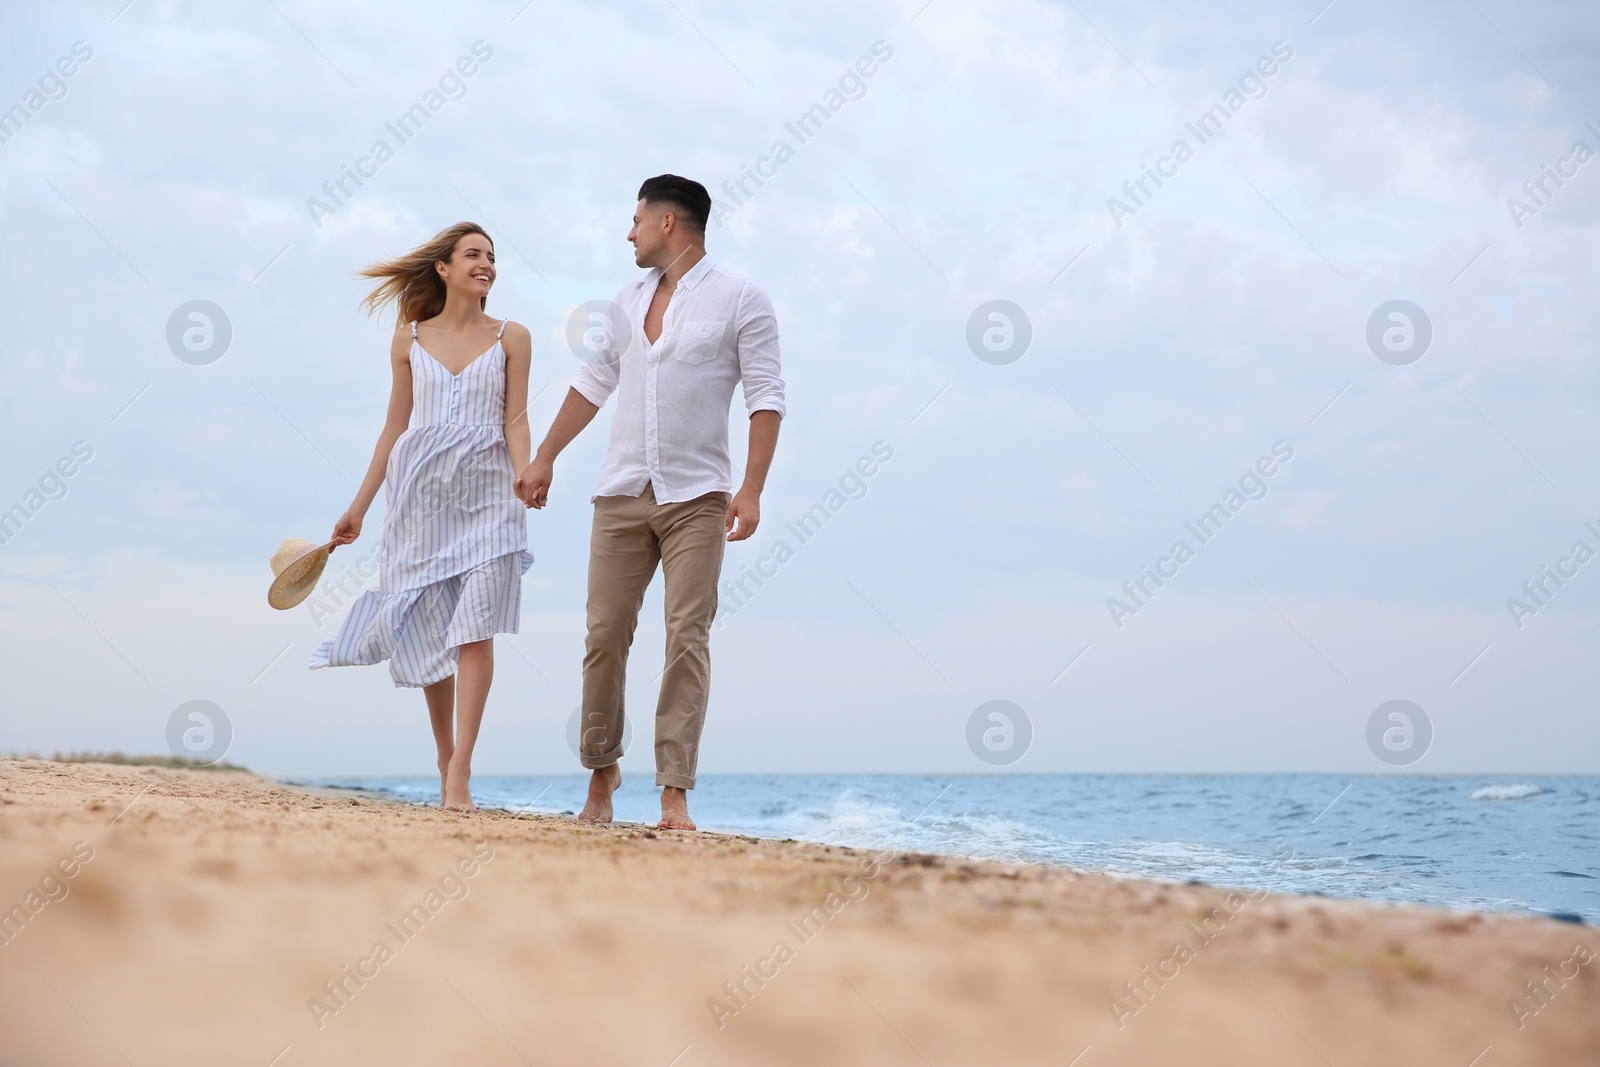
(411, 280)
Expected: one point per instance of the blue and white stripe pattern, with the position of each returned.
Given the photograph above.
(455, 539)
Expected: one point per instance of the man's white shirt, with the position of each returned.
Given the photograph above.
(670, 429)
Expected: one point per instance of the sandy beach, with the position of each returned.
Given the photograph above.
(172, 917)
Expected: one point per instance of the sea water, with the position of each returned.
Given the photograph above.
(1528, 844)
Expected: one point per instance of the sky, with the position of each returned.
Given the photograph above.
(1182, 339)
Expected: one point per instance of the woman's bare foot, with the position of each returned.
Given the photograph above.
(444, 775)
(457, 796)
(675, 809)
(602, 783)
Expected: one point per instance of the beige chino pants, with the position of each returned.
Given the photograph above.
(630, 536)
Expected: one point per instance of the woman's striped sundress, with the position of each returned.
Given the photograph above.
(455, 538)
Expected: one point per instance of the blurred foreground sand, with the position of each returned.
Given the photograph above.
(216, 906)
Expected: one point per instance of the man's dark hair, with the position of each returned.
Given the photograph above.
(686, 197)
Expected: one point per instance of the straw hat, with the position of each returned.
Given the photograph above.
(296, 566)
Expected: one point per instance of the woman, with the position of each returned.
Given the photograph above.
(454, 537)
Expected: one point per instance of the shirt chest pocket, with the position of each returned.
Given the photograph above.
(699, 340)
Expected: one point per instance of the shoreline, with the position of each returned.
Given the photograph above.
(226, 917)
(1510, 908)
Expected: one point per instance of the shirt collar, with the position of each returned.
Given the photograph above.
(693, 276)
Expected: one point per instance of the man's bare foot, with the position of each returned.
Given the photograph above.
(602, 783)
(675, 809)
(457, 795)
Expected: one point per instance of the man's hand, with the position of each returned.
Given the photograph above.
(744, 514)
(533, 484)
(744, 511)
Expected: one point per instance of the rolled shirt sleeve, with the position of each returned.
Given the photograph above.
(595, 386)
(760, 370)
(597, 378)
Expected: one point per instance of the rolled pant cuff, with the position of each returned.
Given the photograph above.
(605, 759)
(676, 781)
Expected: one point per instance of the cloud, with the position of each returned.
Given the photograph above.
(1224, 315)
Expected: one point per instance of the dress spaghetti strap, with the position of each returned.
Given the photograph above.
(413, 329)
(502, 329)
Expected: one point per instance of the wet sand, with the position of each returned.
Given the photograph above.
(186, 917)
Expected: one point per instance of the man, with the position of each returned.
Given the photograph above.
(686, 333)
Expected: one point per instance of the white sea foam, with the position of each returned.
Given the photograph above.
(1506, 792)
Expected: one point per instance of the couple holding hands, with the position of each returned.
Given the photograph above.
(454, 454)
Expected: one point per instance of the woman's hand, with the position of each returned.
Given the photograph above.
(347, 529)
(533, 484)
